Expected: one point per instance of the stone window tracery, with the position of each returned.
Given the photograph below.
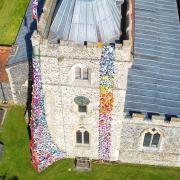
(82, 137)
(82, 103)
(151, 138)
(77, 73)
(86, 137)
(85, 73)
(81, 73)
(79, 137)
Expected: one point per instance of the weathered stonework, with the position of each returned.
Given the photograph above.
(5, 93)
(58, 62)
(131, 143)
(18, 78)
(60, 89)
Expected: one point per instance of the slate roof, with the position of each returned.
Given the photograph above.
(154, 79)
(23, 42)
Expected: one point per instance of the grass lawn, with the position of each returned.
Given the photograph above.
(11, 15)
(16, 160)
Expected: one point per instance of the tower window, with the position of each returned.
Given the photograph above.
(86, 137)
(81, 73)
(82, 103)
(151, 139)
(78, 73)
(79, 137)
(85, 73)
(147, 139)
(82, 108)
(82, 139)
(155, 140)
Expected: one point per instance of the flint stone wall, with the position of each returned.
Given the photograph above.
(60, 88)
(5, 90)
(64, 120)
(131, 143)
(18, 78)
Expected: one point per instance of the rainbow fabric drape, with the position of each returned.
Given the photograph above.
(106, 101)
(43, 149)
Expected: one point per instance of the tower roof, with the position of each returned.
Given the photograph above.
(86, 20)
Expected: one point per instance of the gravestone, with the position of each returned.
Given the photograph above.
(1, 115)
(82, 164)
(3, 111)
(3, 177)
(1, 149)
(14, 178)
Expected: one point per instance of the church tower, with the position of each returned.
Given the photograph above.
(101, 69)
(83, 70)
(106, 79)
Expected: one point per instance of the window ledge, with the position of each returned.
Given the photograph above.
(81, 82)
(82, 113)
(82, 145)
(150, 149)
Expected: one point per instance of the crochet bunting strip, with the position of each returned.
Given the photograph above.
(106, 101)
(43, 149)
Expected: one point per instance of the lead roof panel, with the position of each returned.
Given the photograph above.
(154, 79)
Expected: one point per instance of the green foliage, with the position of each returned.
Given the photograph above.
(11, 15)
(16, 160)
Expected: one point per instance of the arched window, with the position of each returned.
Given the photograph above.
(82, 103)
(85, 74)
(81, 73)
(155, 140)
(86, 137)
(78, 73)
(151, 138)
(147, 139)
(82, 137)
(79, 137)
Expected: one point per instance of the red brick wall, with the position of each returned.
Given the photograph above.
(4, 54)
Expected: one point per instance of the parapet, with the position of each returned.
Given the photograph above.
(175, 120)
(157, 119)
(87, 50)
(138, 116)
(46, 16)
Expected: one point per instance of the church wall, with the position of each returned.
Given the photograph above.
(64, 120)
(131, 143)
(18, 78)
(58, 62)
(60, 88)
